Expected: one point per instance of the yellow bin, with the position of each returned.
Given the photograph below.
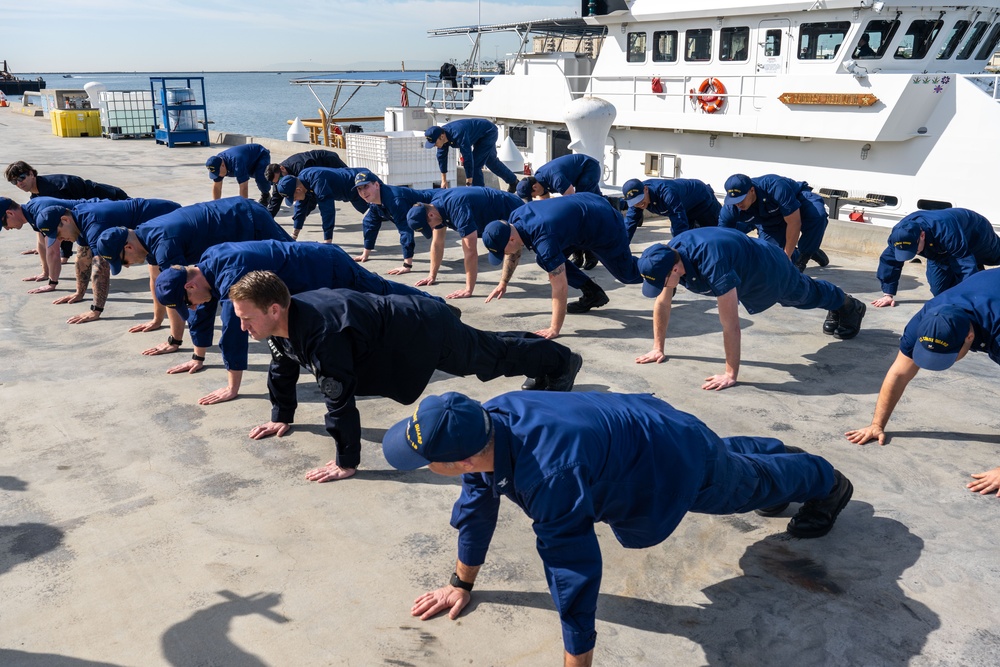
(76, 123)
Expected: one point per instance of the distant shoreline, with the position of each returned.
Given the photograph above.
(252, 71)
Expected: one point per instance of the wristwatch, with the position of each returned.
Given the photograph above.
(458, 583)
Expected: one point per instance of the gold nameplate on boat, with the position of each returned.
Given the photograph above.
(833, 99)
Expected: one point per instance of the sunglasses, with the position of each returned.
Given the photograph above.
(18, 179)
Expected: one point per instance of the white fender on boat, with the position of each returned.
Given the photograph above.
(94, 90)
(589, 120)
(297, 132)
(511, 156)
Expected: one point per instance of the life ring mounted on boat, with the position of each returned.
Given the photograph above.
(710, 96)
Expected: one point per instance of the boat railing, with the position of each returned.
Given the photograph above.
(441, 94)
(680, 94)
(988, 83)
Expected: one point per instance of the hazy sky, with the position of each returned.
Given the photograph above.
(207, 35)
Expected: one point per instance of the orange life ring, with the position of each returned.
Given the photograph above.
(711, 95)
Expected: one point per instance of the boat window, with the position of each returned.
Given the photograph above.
(875, 39)
(830, 192)
(884, 200)
(665, 46)
(990, 45)
(821, 41)
(733, 43)
(953, 39)
(519, 135)
(698, 45)
(637, 47)
(918, 39)
(933, 205)
(772, 43)
(970, 44)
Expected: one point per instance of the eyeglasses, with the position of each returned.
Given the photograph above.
(18, 179)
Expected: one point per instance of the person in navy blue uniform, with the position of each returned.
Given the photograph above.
(962, 319)
(553, 228)
(326, 187)
(388, 203)
(687, 202)
(180, 237)
(784, 212)
(956, 243)
(16, 216)
(565, 175)
(359, 344)
(570, 461)
(83, 224)
(291, 166)
(242, 163)
(23, 176)
(205, 287)
(736, 269)
(466, 210)
(476, 140)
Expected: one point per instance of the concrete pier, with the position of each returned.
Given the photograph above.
(138, 528)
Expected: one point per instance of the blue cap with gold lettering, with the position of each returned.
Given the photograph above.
(443, 429)
(737, 188)
(905, 239)
(213, 164)
(940, 336)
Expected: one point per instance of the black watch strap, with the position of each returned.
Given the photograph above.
(174, 341)
(96, 309)
(458, 583)
(197, 357)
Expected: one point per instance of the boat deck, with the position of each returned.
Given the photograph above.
(138, 528)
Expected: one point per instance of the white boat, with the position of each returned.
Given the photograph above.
(704, 90)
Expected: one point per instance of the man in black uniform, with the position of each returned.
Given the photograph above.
(363, 345)
(291, 166)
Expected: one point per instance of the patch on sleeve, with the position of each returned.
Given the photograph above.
(331, 388)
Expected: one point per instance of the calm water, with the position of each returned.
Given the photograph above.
(258, 103)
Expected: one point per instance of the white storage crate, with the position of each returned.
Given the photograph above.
(398, 158)
(127, 113)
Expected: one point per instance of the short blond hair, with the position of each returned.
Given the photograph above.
(262, 289)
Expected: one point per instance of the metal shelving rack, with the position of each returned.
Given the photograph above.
(174, 119)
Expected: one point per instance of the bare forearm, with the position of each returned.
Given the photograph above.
(101, 281)
(42, 254)
(471, 262)
(466, 573)
(661, 318)
(509, 264)
(437, 255)
(234, 377)
(84, 262)
(582, 660)
(560, 289)
(51, 254)
(731, 345)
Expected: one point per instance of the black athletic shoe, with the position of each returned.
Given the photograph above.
(820, 257)
(457, 312)
(535, 384)
(589, 260)
(816, 517)
(775, 510)
(577, 258)
(564, 381)
(512, 187)
(831, 323)
(851, 315)
(588, 301)
(801, 264)
(265, 199)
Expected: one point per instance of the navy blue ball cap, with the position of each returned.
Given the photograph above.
(286, 187)
(416, 218)
(47, 220)
(904, 239)
(443, 429)
(524, 187)
(655, 264)
(110, 245)
(5, 203)
(634, 191)
(495, 238)
(170, 290)
(364, 177)
(737, 188)
(213, 164)
(432, 134)
(940, 337)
